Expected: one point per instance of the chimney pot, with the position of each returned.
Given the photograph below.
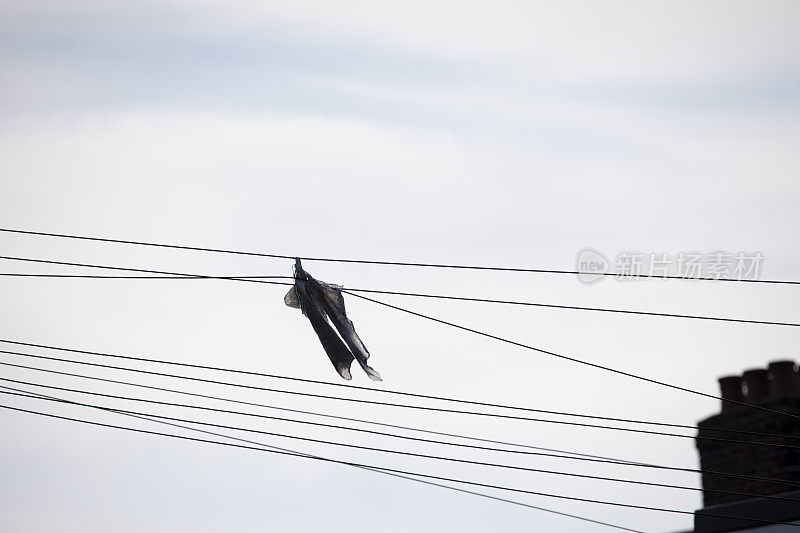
(731, 388)
(757, 381)
(783, 377)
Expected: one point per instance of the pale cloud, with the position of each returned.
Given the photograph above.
(511, 134)
(576, 42)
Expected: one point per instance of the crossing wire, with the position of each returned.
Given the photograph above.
(579, 456)
(572, 359)
(373, 262)
(319, 424)
(388, 391)
(405, 472)
(423, 295)
(404, 406)
(463, 328)
(369, 468)
(20, 392)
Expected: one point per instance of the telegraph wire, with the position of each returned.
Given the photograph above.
(364, 467)
(373, 262)
(27, 394)
(319, 424)
(457, 326)
(568, 358)
(575, 307)
(91, 276)
(579, 456)
(178, 275)
(582, 456)
(387, 391)
(432, 296)
(397, 452)
(405, 472)
(154, 418)
(400, 405)
(463, 328)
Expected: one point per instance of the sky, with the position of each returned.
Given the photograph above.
(512, 134)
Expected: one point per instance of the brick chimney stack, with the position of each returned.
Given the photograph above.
(777, 388)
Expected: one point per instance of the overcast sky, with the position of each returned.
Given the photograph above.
(504, 133)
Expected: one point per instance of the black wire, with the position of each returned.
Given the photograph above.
(434, 296)
(386, 391)
(575, 307)
(179, 275)
(580, 456)
(320, 424)
(396, 452)
(372, 469)
(371, 262)
(572, 359)
(441, 478)
(405, 406)
(90, 276)
(27, 394)
(464, 328)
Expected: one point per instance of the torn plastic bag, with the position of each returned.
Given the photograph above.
(323, 304)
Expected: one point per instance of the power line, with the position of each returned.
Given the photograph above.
(371, 469)
(178, 275)
(575, 307)
(429, 476)
(387, 391)
(405, 406)
(463, 328)
(572, 359)
(373, 262)
(578, 456)
(402, 452)
(432, 296)
(27, 394)
(306, 422)
(90, 276)
(393, 474)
